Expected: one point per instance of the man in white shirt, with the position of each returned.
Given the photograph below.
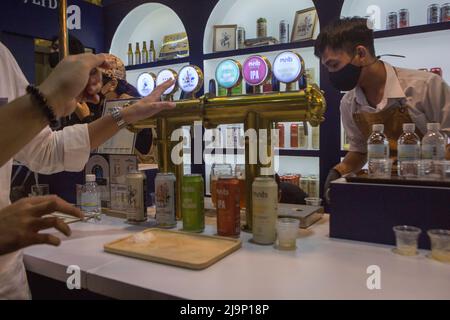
(378, 93)
(50, 152)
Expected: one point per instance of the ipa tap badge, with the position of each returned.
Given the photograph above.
(146, 83)
(288, 67)
(257, 70)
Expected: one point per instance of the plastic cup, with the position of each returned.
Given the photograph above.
(440, 244)
(380, 168)
(40, 190)
(407, 238)
(287, 231)
(317, 202)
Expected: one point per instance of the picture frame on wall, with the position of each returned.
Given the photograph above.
(224, 38)
(304, 25)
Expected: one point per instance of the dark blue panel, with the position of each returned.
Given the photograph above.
(22, 48)
(367, 212)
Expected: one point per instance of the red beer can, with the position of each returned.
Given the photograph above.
(280, 127)
(294, 135)
(437, 71)
(228, 207)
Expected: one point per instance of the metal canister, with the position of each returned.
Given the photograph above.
(445, 12)
(302, 135)
(304, 184)
(284, 31)
(265, 210)
(403, 18)
(240, 38)
(315, 133)
(294, 135)
(165, 195)
(261, 28)
(392, 21)
(280, 127)
(192, 203)
(137, 192)
(228, 209)
(313, 190)
(433, 13)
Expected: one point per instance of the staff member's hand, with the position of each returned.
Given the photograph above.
(21, 222)
(148, 106)
(75, 79)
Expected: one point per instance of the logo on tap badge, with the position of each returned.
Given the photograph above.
(256, 70)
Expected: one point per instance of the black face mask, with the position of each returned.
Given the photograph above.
(347, 78)
(53, 59)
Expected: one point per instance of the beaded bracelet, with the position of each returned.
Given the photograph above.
(42, 103)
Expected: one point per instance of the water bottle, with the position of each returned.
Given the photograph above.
(378, 149)
(433, 143)
(90, 197)
(408, 152)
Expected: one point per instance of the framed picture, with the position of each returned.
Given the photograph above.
(304, 25)
(224, 38)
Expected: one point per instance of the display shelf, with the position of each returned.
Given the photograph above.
(149, 21)
(412, 30)
(262, 49)
(297, 152)
(158, 64)
(246, 13)
(379, 9)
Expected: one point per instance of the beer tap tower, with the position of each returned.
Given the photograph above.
(257, 111)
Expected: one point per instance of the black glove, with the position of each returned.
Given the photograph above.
(332, 175)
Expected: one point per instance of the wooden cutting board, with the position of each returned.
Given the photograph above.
(181, 249)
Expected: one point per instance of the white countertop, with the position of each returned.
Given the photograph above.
(320, 268)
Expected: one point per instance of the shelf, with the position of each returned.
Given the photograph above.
(412, 30)
(298, 153)
(256, 50)
(157, 64)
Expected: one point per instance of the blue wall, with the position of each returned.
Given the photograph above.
(21, 22)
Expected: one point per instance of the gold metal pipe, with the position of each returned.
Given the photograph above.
(63, 32)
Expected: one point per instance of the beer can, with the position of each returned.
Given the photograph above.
(313, 186)
(239, 172)
(137, 192)
(445, 12)
(165, 195)
(433, 13)
(403, 18)
(315, 138)
(265, 210)
(192, 203)
(302, 136)
(304, 184)
(284, 32)
(392, 21)
(261, 28)
(280, 127)
(437, 71)
(294, 135)
(228, 209)
(240, 38)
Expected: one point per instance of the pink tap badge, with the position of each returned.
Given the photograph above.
(256, 70)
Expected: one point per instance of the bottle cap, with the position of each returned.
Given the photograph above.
(378, 128)
(409, 127)
(434, 126)
(90, 178)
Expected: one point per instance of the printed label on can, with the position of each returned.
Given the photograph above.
(165, 202)
(265, 211)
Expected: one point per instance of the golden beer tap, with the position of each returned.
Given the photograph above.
(257, 111)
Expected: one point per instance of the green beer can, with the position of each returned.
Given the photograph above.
(192, 203)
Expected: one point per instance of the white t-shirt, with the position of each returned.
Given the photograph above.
(49, 152)
(427, 95)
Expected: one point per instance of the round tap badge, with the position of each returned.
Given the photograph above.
(288, 67)
(190, 79)
(256, 70)
(165, 75)
(146, 83)
(228, 74)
